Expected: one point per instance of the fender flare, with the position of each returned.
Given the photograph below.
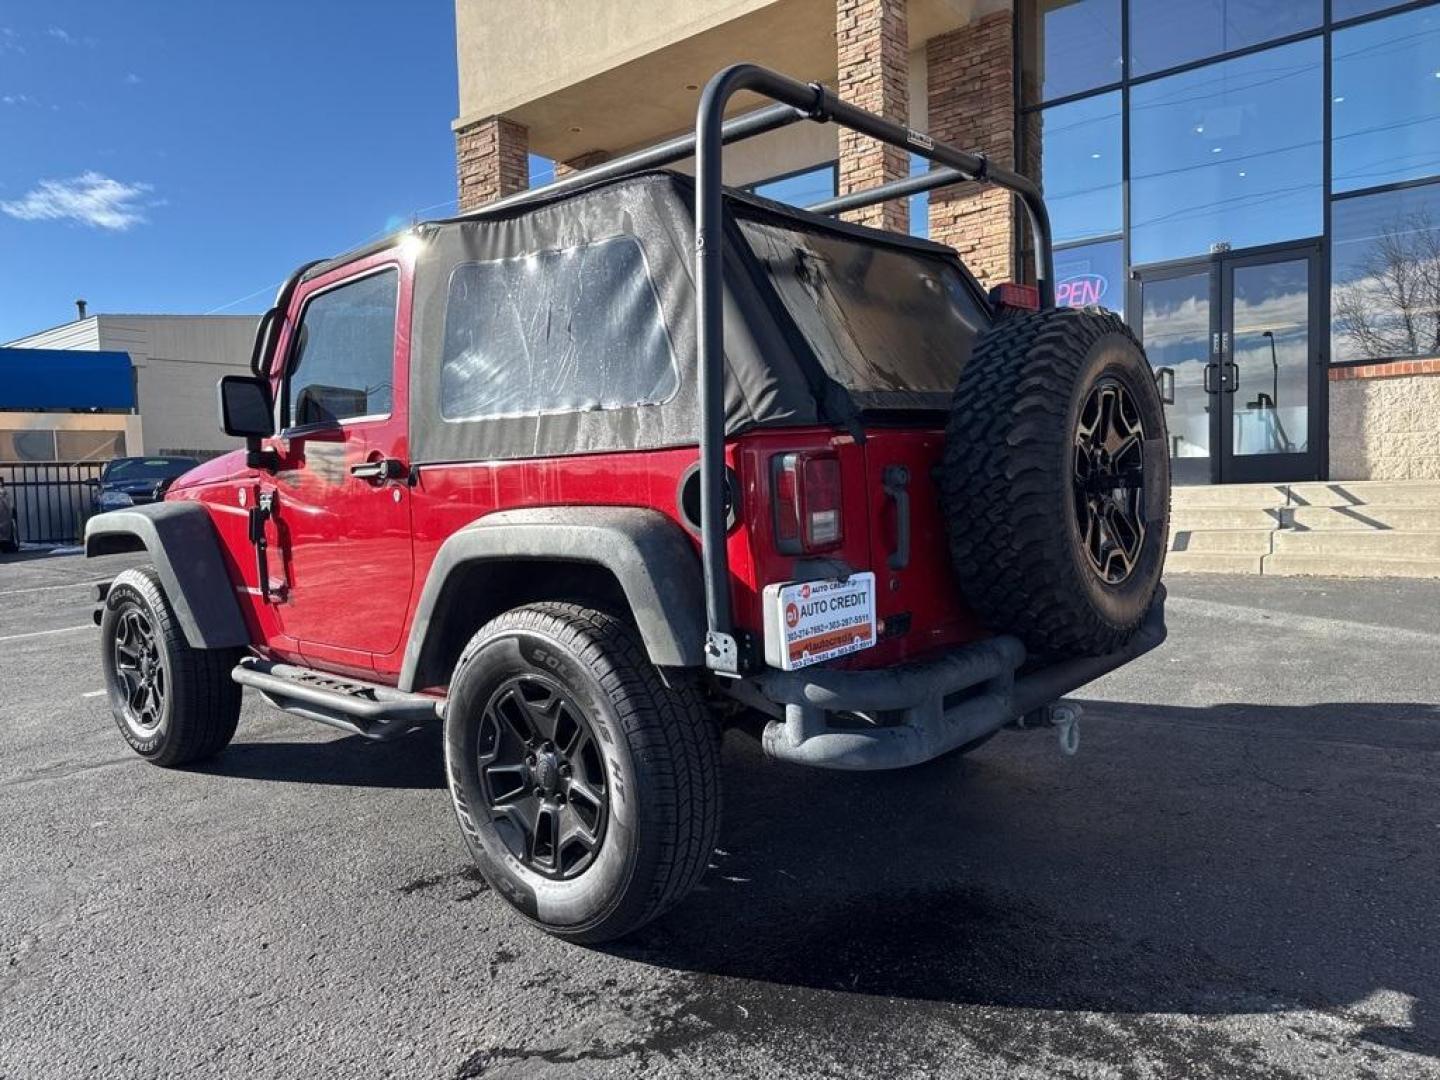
(650, 556)
(182, 543)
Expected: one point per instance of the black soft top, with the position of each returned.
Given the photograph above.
(786, 364)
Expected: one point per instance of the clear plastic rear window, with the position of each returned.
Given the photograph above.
(557, 331)
(880, 320)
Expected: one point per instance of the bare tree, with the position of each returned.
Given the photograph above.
(1391, 306)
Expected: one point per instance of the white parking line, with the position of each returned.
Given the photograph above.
(49, 588)
(93, 693)
(44, 633)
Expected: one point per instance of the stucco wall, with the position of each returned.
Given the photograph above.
(1385, 429)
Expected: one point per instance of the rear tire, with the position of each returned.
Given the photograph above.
(586, 786)
(174, 704)
(1056, 481)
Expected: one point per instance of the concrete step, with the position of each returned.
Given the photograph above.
(1209, 562)
(1361, 518)
(1293, 565)
(1222, 517)
(1359, 545)
(1228, 496)
(1366, 492)
(1221, 541)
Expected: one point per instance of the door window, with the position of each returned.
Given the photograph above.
(342, 364)
(1270, 354)
(1175, 317)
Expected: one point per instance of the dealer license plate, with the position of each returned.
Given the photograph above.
(809, 622)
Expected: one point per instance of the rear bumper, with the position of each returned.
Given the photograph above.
(942, 704)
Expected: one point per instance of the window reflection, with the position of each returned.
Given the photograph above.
(1229, 153)
(1070, 46)
(1385, 101)
(1349, 9)
(1079, 167)
(1385, 275)
(1270, 349)
(1176, 324)
(1164, 34)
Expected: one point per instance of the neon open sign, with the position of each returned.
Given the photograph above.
(1080, 290)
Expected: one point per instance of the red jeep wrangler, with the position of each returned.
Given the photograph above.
(603, 467)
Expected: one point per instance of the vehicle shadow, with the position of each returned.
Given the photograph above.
(413, 760)
(1207, 861)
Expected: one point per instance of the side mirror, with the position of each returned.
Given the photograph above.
(245, 406)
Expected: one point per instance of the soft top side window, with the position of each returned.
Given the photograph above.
(342, 363)
(572, 330)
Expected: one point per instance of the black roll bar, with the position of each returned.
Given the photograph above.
(794, 101)
(814, 102)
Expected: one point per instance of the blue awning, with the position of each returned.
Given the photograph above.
(65, 379)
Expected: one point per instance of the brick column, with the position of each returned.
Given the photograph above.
(492, 160)
(872, 53)
(972, 106)
(587, 160)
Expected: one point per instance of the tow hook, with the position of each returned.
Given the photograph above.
(1063, 716)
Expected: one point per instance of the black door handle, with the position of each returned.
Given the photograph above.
(382, 470)
(1209, 370)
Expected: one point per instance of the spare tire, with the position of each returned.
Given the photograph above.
(1055, 484)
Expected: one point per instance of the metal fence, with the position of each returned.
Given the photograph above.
(52, 499)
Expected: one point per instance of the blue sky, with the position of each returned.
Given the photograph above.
(183, 157)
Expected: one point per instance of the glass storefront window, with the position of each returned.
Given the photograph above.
(1091, 274)
(1070, 46)
(1227, 154)
(801, 188)
(1385, 275)
(1164, 34)
(919, 203)
(1079, 168)
(1341, 10)
(1385, 101)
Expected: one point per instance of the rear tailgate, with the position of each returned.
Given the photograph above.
(918, 599)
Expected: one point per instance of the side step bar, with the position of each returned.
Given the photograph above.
(361, 708)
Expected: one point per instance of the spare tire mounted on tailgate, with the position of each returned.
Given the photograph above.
(1055, 483)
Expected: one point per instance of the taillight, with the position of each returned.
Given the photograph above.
(805, 485)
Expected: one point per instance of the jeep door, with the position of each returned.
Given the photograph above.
(341, 500)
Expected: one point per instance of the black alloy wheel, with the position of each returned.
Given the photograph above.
(140, 669)
(1109, 481)
(173, 702)
(542, 777)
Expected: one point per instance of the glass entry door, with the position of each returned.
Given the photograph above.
(1237, 351)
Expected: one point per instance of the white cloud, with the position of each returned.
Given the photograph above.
(60, 35)
(90, 199)
(133, 80)
(18, 99)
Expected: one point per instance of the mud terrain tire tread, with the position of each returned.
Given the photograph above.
(1003, 482)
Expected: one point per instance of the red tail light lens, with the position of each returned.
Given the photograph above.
(806, 490)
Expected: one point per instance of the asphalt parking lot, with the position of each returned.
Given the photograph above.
(1238, 876)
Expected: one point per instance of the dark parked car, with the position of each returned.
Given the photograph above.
(132, 481)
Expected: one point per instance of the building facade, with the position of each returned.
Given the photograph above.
(1253, 184)
(176, 362)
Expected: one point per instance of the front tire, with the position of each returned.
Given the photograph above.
(586, 786)
(174, 704)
